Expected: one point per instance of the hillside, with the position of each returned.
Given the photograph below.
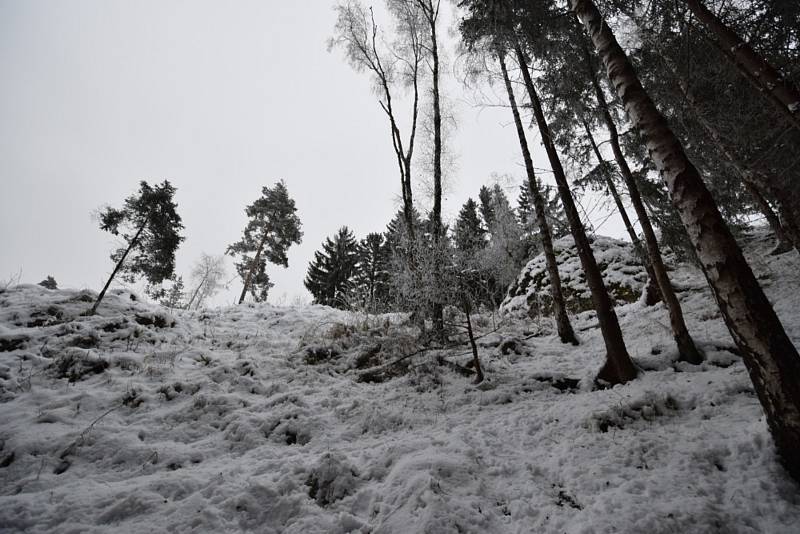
(266, 419)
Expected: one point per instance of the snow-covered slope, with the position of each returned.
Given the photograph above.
(253, 418)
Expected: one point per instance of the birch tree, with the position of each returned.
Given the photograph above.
(394, 65)
(207, 277)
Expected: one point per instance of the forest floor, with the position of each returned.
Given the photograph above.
(258, 418)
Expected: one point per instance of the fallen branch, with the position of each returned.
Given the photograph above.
(377, 368)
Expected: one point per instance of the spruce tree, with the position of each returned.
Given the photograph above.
(272, 228)
(487, 211)
(331, 275)
(506, 250)
(397, 235)
(469, 234)
(554, 213)
(150, 226)
(372, 273)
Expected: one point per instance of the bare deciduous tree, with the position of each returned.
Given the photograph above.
(207, 276)
(393, 66)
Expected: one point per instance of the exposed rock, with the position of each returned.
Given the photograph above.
(623, 273)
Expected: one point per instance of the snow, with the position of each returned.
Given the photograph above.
(623, 275)
(253, 419)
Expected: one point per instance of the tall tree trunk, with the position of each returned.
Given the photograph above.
(131, 245)
(783, 244)
(769, 355)
(405, 178)
(770, 80)
(404, 157)
(652, 294)
(408, 203)
(752, 183)
(252, 269)
(788, 220)
(437, 138)
(431, 9)
(476, 361)
(563, 326)
(785, 226)
(686, 347)
(618, 367)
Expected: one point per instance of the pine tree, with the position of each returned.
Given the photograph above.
(272, 228)
(331, 275)
(150, 226)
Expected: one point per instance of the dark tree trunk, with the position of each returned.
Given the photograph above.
(431, 10)
(405, 176)
(618, 367)
(437, 141)
(789, 221)
(769, 355)
(786, 237)
(563, 326)
(686, 347)
(651, 292)
(783, 244)
(476, 362)
(252, 269)
(783, 227)
(769, 79)
(117, 267)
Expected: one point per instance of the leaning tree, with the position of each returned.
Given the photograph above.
(272, 228)
(769, 355)
(150, 227)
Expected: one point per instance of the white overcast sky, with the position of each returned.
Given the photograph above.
(220, 98)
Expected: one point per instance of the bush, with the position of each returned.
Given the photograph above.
(49, 283)
(332, 479)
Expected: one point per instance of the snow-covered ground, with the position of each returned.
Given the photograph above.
(253, 418)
